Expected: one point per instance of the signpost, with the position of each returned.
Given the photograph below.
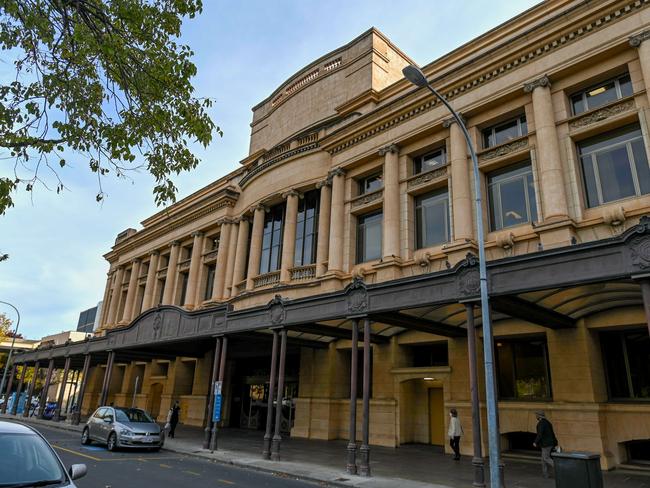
(216, 413)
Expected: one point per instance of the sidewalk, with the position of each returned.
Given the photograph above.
(410, 466)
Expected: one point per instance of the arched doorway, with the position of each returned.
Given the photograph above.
(153, 402)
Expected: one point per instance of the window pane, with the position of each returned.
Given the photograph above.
(625, 85)
(505, 366)
(369, 237)
(642, 168)
(601, 95)
(614, 358)
(530, 367)
(513, 203)
(615, 174)
(430, 161)
(638, 355)
(590, 181)
(578, 104)
(511, 196)
(432, 219)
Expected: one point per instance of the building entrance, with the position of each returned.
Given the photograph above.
(436, 417)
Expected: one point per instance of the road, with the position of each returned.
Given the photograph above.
(162, 469)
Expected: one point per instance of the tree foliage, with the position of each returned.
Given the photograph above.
(107, 79)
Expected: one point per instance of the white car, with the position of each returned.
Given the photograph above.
(27, 459)
(119, 427)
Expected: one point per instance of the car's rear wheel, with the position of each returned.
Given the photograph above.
(85, 437)
(111, 445)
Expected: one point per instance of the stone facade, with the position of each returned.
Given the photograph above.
(351, 114)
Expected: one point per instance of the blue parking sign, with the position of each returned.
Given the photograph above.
(216, 414)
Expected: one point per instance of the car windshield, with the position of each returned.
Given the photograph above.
(132, 415)
(26, 460)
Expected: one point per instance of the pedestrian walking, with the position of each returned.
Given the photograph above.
(455, 432)
(172, 418)
(545, 440)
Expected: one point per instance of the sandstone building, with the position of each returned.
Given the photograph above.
(354, 208)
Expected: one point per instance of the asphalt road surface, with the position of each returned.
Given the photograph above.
(164, 469)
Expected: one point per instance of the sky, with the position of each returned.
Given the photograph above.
(243, 51)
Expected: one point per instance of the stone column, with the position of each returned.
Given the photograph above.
(64, 384)
(256, 246)
(172, 271)
(324, 210)
(107, 294)
(21, 381)
(150, 284)
(460, 182)
(289, 235)
(551, 176)
(232, 253)
(222, 260)
(241, 254)
(195, 267)
(46, 386)
(391, 227)
(76, 416)
(115, 297)
(337, 220)
(127, 316)
(638, 41)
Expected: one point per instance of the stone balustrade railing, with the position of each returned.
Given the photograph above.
(266, 279)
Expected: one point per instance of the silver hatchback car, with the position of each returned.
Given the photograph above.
(122, 427)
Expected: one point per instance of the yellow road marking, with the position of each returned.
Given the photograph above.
(78, 453)
(226, 482)
(165, 466)
(192, 472)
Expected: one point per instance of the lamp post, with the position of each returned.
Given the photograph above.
(416, 76)
(11, 349)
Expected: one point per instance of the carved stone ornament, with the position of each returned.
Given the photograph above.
(391, 148)
(602, 114)
(468, 278)
(277, 313)
(336, 172)
(357, 296)
(539, 82)
(322, 183)
(368, 198)
(635, 41)
(157, 325)
(447, 123)
(504, 149)
(428, 176)
(640, 243)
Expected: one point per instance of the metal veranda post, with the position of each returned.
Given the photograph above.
(416, 76)
(11, 348)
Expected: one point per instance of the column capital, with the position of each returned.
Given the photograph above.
(224, 220)
(136, 261)
(154, 253)
(322, 183)
(174, 243)
(543, 81)
(391, 148)
(447, 123)
(291, 193)
(241, 218)
(257, 207)
(637, 40)
(336, 172)
(196, 233)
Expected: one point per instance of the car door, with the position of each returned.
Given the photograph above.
(95, 424)
(107, 423)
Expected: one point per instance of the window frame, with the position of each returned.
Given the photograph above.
(547, 367)
(301, 227)
(521, 121)
(363, 183)
(436, 194)
(627, 129)
(418, 161)
(621, 337)
(275, 245)
(360, 256)
(488, 186)
(583, 93)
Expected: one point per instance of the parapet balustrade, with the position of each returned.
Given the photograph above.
(266, 279)
(303, 273)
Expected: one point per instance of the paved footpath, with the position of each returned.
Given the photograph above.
(162, 469)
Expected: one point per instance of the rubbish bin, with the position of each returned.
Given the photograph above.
(577, 470)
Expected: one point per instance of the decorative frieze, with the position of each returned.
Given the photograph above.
(422, 178)
(635, 41)
(602, 114)
(544, 81)
(367, 198)
(211, 256)
(184, 265)
(504, 149)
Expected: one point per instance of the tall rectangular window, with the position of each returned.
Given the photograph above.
(429, 161)
(614, 166)
(505, 131)
(627, 364)
(601, 94)
(370, 183)
(184, 277)
(369, 237)
(161, 291)
(432, 218)
(522, 369)
(209, 281)
(307, 229)
(511, 196)
(272, 239)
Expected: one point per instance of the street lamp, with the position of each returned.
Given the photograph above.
(11, 350)
(416, 76)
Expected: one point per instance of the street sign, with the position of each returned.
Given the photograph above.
(216, 414)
